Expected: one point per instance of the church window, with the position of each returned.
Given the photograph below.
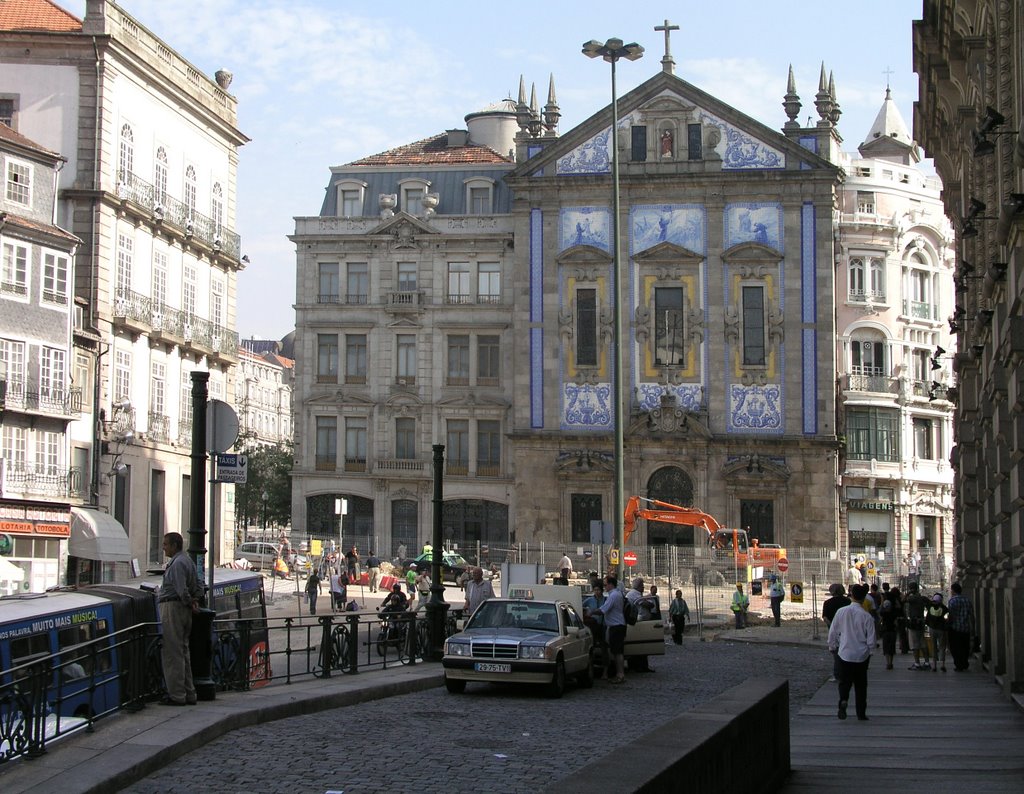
(668, 327)
(694, 142)
(753, 326)
(586, 327)
(638, 151)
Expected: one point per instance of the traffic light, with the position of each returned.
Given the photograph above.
(6, 545)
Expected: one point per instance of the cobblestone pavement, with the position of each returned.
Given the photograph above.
(500, 739)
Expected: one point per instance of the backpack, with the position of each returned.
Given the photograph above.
(629, 611)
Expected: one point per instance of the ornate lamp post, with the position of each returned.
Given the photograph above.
(266, 498)
(611, 51)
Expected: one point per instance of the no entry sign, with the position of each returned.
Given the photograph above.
(782, 565)
(629, 558)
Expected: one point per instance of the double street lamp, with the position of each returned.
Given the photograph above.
(611, 51)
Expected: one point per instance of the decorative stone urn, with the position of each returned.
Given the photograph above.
(387, 202)
(429, 203)
(223, 78)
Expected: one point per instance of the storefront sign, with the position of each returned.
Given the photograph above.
(57, 530)
(857, 504)
(19, 527)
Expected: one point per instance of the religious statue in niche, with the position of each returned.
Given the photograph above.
(667, 143)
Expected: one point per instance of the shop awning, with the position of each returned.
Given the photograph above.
(97, 536)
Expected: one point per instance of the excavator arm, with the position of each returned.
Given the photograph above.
(667, 512)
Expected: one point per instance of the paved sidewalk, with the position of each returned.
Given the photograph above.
(934, 732)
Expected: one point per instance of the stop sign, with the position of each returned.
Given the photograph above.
(629, 558)
(782, 565)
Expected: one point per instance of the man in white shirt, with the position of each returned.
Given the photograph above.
(852, 635)
(478, 590)
(565, 566)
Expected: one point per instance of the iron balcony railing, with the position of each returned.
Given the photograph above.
(873, 383)
(41, 481)
(167, 209)
(920, 310)
(184, 326)
(159, 426)
(20, 394)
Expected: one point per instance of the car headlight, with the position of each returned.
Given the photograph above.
(531, 651)
(456, 648)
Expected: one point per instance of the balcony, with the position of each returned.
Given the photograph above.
(488, 469)
(870, 382)
(355, 464)
(184, 433)
(28, 396)
(165, 209)
(159, 427)
(398, 467)
(48, 482)
(405, 300)
(457, 468)
(175, 327)
(919, 310)
(326, 462)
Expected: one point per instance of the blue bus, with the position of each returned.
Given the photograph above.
(72, 655)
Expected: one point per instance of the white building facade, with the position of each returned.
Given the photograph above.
(894, 295)
(152, 148)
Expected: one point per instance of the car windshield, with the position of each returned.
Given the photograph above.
(516, 615)
(455, 559)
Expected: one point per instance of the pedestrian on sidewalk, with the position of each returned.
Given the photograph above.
(960, 627)
(178, 600)
(888, 615)
(935, 631)
(828, 613)
(373, 569)
(339, 591)
(615, 621)
(679, 611)
(352, 563)
(901, 622)
(739, 606)
(423, 587)
(913, 610)
(777, 593)
(852, 636)
(565, 566)
(410, 579)
(313, 589)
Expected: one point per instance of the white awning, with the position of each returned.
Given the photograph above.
(98, 536)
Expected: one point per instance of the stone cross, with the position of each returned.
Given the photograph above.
(888, 73)
(667, 64)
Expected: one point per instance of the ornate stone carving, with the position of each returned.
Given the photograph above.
(387, 202)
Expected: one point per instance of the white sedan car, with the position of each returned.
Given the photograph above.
(520, 640)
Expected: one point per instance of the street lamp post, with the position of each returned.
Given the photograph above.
(611, 51)
(266, 498)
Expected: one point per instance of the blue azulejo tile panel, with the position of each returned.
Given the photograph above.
(751, 222)
(536, 266)
(810, 382)
(689, 396)
(808, 264)
(593, 156)
(585, 226)
(536, 377)
(682, 224)
(587, 406)
(739, 150)
(755, 409)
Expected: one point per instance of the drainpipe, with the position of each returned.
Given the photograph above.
(94, 265)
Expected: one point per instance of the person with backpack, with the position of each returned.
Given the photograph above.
(935, 631)
(914, 610)
(739, 606)
(615, 626)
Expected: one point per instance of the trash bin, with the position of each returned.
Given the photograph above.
(200, 645)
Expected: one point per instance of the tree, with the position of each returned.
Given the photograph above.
(269, 472)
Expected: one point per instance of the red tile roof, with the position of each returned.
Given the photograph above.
(11, 219)
(7, 134)
(434, 151)
(37, 15)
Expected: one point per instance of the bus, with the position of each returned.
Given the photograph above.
(72, 655)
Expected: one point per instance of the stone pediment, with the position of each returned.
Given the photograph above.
(404, 403)
(757, 466)
(668, 254)
(403, 227)
(584, 255)
(584, 461)
(666, 105)
(751, 254)
(340, 397)
(472, 400)
(404, 322)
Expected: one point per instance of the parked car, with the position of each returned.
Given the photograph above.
(453, 565)
(522, 640)
(260, 555)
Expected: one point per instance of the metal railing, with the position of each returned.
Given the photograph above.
(165, 208)
(175, 323)
(21, 394)
(50, 481)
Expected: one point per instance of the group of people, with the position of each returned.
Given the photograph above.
(923, 625)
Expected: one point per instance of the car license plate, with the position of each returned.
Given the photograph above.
(491, 667)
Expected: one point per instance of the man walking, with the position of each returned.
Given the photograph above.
(313, 589)
(960, 627)
(914, 609)
(478, 590)
(828, 613)
(679, 611)
(565, 566)
(373, 568)
(179, 600)
(852, 636)
(776, 593)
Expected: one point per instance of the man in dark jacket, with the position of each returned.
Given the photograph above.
(828, 612)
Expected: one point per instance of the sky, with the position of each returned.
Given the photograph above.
(325, 82)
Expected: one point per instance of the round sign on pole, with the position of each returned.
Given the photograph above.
(221, 426)
(782, 565)
(629, 558)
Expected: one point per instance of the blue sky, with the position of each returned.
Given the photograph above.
(324, 82)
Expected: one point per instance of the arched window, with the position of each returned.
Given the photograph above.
(190, 191)
(673, 485)
(160, 176)
(217, 207)
(857, 278)
(868, 353)
(127, 161)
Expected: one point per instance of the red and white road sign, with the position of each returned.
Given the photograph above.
(629, 558)
(782, 565)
